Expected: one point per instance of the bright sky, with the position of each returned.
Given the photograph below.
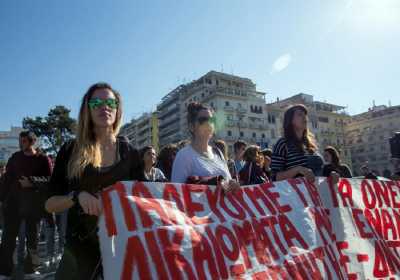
(344, 52)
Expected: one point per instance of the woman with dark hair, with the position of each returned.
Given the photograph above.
(295, 154)
(267, 153)
(150, 173)
(166, 158)
(96, 159)
(252, 172)
(332, 163)
(198, 162)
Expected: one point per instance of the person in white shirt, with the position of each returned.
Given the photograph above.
(198, 159)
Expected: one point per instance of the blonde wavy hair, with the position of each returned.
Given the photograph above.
(86, 150)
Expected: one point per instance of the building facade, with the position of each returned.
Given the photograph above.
(9, 143)
(238, 107)
(142, 131)
(367, 136)
(169, 117)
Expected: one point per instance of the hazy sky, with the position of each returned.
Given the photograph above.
(344, 52)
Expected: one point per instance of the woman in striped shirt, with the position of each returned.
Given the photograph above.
(295, 154)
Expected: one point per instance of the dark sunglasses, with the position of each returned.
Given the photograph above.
(95, 103)
(202, 120)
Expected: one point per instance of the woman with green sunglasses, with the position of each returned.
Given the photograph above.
(96, 159)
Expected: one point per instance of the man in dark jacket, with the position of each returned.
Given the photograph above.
(19, 203)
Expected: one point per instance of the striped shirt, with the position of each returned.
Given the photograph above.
(287, 155)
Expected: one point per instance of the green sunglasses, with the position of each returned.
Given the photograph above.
(95, 103)
(210, 120)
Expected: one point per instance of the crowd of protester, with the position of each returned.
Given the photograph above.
(66, 197)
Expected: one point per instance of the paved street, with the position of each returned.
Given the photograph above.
(47, 271)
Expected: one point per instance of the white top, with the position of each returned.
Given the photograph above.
(188, 162)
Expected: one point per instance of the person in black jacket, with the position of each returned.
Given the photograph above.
(333, 164)
(166, 158)
(252, 172)
(96, 159)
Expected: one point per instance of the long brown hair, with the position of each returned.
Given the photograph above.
(334, 155)
(307, 143)
(251, 153)
(86, 149)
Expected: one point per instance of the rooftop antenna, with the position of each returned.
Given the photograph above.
(373, 103)
(390, 103)
(222, 68)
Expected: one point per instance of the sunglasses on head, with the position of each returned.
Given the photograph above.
(95, 103)
(202, 120)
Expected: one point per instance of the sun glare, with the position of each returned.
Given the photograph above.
(379, 14)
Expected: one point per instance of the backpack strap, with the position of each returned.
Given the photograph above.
(218, 153)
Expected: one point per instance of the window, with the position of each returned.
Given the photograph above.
(256, 109)
(254, 135)
(241, 134)
(271, 118)
(323, 119)
(263, 135)
(229, 133)
(314, 124)
(226, 103)
(202, 94)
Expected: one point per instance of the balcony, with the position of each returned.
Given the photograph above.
(242, 124)
(253, 140)
(169, 130)
(166, 122)
(253, 125)
(229, 108)
(242, 110)
(262, 126)
(230, 123)
(168, 112)
(144, 129)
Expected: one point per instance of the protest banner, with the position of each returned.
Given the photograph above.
(290, 229)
